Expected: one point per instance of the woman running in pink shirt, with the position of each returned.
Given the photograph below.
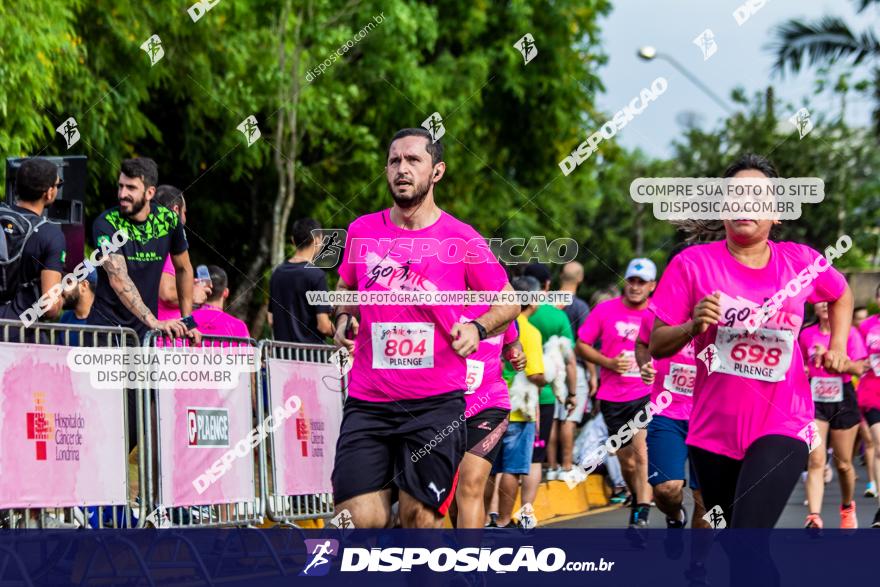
(752, 417)
(837, 409)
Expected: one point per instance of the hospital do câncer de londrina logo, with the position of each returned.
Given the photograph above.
(64, 431)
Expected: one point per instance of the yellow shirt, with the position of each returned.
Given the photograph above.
(533, 347)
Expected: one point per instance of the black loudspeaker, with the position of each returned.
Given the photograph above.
(68, 208)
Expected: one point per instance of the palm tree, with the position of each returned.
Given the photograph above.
(827, 41)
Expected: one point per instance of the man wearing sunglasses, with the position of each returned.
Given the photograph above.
(41, 263)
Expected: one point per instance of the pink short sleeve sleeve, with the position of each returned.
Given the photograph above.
(646, 327)
(829, 285)
(483, 272)
(592, 326)
(511, 334)
(855, 345)
(346, 267)
(672, 301)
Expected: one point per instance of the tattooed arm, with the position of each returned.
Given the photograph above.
(117, 273)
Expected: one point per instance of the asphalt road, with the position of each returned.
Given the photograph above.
(792, 517)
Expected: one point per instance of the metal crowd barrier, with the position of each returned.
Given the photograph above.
(86, 514)
(208, 515)
(289, 508)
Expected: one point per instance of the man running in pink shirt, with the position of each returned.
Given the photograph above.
(404, 418)
(622, 394)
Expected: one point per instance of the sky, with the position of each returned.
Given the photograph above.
(742, 59)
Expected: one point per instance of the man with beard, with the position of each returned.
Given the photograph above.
(403, 423)
(128, 293)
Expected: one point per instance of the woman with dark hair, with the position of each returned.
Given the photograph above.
(752, 410)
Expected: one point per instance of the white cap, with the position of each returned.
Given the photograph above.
(643, 268)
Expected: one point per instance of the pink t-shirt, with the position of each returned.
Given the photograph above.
(484, 368)
(616, 326)
(675, 374)
(811, 338)
(167, 311)
(215, 321)
(758, 385)
(405, 351)
(869, 383)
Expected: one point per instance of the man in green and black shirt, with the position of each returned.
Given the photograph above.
(128, 289)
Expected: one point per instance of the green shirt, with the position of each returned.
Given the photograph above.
(551, 321)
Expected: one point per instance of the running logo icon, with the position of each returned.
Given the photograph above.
(70, 131)
(715, 518)
(434, 125)
(709, 356)
(343, 520)
(706, 42)
(318, 551)
(342, 359)
(810, 434)
(801, 121)
(153, 48)
(526, 46)
(249, 129)
(332, 246)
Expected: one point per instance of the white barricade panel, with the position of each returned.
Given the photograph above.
(305, 443)
(206, 448)
(62, 442)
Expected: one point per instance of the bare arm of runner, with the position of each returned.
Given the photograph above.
(117, 274)
(643, 358)
(341, 316)
(840, 313)
(666, 340)
(498, 317)
(594, 379)
(466, 336)
(619, 364)
(48, 279)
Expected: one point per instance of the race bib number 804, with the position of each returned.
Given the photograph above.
(403, 345)
(764, 355)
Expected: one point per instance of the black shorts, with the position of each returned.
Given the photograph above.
(617, 414)
(484, 432)
(414, 444)
(539, 454)
(872, 416)
(840, 415)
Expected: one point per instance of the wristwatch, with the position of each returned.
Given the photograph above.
(480, 329)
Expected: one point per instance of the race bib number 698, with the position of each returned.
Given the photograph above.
(764, 355)
(403, 345)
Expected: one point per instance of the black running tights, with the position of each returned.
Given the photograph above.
(752, 492)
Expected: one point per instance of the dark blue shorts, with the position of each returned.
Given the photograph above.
(667, 452)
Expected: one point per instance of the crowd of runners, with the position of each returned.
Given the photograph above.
(705, 378)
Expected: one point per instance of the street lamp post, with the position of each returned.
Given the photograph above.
(649, 53)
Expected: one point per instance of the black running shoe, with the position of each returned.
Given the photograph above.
(876, 523)
(680, 523)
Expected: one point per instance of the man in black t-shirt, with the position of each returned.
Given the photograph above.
(128, 289)
(43, 256)
(291, 316)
